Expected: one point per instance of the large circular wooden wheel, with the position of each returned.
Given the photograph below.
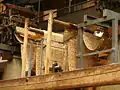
(91, 41)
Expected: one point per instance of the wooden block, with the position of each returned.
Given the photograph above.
(102, 55)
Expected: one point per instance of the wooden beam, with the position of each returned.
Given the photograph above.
(67, 25)
(31, 35)
(25, 49)
(48, 47)
(72, 59)
(96, 76)
(38, 60)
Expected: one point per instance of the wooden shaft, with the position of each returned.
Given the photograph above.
(25, 51)
(30, 58)
(48, 47)
(38, 60)
(72, 54)
(66, 58)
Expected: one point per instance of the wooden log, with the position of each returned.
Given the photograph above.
(48, 47)
(25, 50)
(38, 64)
(70, 37)
(95, 76)
(72, 54)
(66, 61)
(31, 35)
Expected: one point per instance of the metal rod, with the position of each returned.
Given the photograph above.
(41, 56)
(115, 40)
(70, 2)
(39, 10)
(97, 52)
(81, 47)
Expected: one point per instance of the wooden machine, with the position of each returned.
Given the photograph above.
(83, 55)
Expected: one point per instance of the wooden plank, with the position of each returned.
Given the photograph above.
(48, 47)
(96, 76)
(25, 51)
(67, 25)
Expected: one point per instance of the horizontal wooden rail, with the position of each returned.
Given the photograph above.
(97, 76)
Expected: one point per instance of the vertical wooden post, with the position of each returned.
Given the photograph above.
(66, 58)
(30, 58)
(48, 47)
(25, 49)
(72, 54)
(41, 56)
(38, 51)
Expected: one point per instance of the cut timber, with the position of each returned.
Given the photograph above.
(70, 37)
(25, 50)
(69, 34)
(48, 47)
(92, 42)
(66, 57)
(65, 24)
(103, 55)
(72, 60)
(38, 64)
(31, 35)
(96, 76)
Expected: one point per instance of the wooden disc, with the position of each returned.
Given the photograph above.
(92, 42)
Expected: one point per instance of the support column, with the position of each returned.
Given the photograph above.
(70, 39)
(38, 51)
(25, 50)
(48, 44)
(72, 54)
(115, 41)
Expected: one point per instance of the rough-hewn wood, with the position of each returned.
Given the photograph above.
(25, 49)
(69, 34)
(48, 47)
(70, 39)
(96, 76)
(31, 35)
(66, 65)
(72, 59)
(38, 66)
(65, 24)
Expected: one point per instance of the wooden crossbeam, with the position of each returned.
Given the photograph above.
(96, 76)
